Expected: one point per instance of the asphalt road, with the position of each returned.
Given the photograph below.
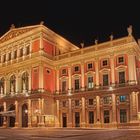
(69, 134)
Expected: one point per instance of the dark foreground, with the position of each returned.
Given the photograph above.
(69, 134)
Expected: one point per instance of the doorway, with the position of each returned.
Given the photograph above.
(11, 117)
(77, 119)
(24, 115)
(1, 117)
(64, 119)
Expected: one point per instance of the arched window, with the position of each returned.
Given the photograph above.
(25, 81)
(13, 83)
(2, 85)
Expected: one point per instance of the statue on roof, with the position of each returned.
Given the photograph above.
(82, 44)
(129, 30)
(12, 26)
(96, 41)
(111, 37)
(42, 22)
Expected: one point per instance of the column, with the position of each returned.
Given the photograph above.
(41, 43)
(112, 69)
(29, 113)
(82, 76)
(57, 123)
(69, 74)
(98, 119)
(30, 49)
(83, 123)
(97, 72)
(42, 112)
(133, 107)
(69, 114)
(132, 68)
(57, 80)
(30, 80)
(17, 114)
(39, 112)
(4, 118)
(41, 80)
(114, 114)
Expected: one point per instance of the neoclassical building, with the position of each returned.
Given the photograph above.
(47, 81)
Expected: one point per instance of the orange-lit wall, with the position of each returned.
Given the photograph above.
(35, 78)
(35, 45)
(48, 48)
(49, 79)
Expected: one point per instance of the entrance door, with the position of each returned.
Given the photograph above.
(24, 116)
(77, 119)
(11, 117)
(64, 119)
(1, 117)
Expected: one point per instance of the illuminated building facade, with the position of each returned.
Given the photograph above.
(47, 81)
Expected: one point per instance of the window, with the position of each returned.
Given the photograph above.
(90, 66)
(105, 80)
(4, 57)
(64, 104)
(77, 84)
(63, 71)
(104, 63)
(27, 50)
(121, 77)
(91, 117)
(15, 54)
(123, 116)
(76, 69)
(63, 86)
(21, 52)
(90, 82)
(9, 56)
(122, 98)
(77, 103)
(106, 116)
(106, 100)
(90, 101)
(121, 59)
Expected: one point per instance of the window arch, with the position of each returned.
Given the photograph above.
(25, 81)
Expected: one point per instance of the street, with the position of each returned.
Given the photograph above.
(68, 134)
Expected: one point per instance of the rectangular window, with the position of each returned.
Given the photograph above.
(123, 116)
(121, 59)
(27, 50)
(122, 98)
(90, 82)
(104, 63)
(121, 77)
(106, 100)
(77, 84)
(15, 54)
(21, 52)
(91, 117)
(9, 56)
(4, 57)
(106, 116)
(63, 71)
(105, 80)
(77, 103)
(63, 86)
(76, 69)
(64, 103)
(90, 66)
(90, 101)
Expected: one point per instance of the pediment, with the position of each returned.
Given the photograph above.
(12, 33)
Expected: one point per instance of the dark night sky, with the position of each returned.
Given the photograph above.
(76, 20)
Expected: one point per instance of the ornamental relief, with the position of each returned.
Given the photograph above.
(13, 33)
